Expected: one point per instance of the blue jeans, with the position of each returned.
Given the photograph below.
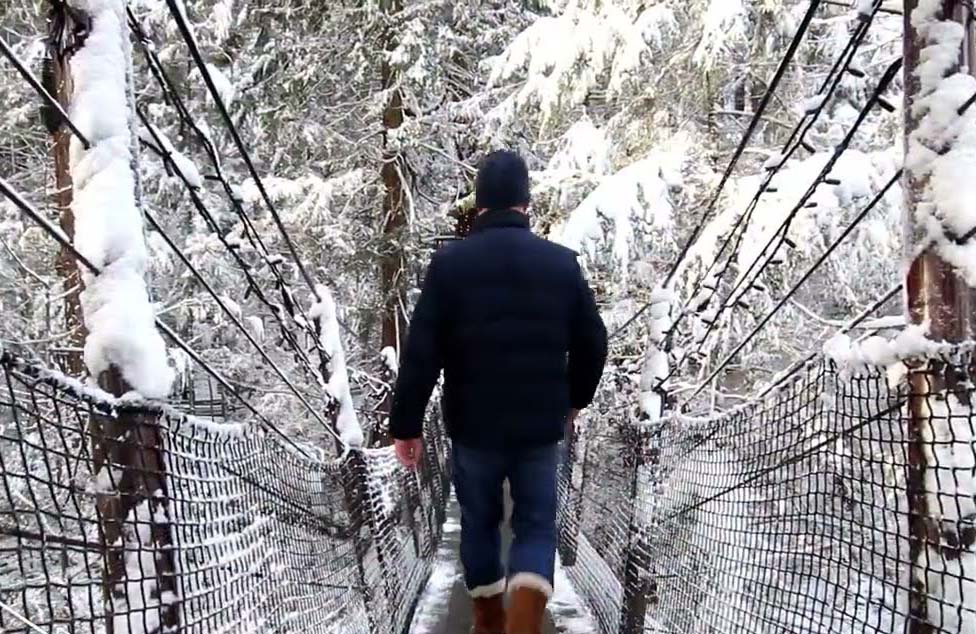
(478, 478)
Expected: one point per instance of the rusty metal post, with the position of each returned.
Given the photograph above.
(938, 295)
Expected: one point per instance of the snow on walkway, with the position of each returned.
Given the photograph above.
(446, 575)
(444, 607)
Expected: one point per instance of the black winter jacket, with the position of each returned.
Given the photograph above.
(512, 322)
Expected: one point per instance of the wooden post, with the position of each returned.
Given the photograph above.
(129, 444)
(571, 507)
(65, 32)
(392, 264)
(939, 296)
(140, 585)
(353, 473)
(636, 584)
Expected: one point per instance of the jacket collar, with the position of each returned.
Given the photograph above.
(496, 218)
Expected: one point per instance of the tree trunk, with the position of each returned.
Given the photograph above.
(57, 78)
(393, 261)
(939, 296)
(140, 585)
(134, 516)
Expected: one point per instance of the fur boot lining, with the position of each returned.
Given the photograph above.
(532, 581)
(484, 592)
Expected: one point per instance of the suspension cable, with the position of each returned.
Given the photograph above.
(288, 336)
(190, 40)
(748, 278)
(172, 95)
(750, 130)
(39, 88)
(805, 123)
(799, 283)
(55, 233)
(52, 230)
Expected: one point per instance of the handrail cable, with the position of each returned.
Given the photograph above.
(55, 233)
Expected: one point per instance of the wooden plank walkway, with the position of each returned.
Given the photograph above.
(446, 608)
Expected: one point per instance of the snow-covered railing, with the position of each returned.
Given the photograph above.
(789, 514)
(265, 538)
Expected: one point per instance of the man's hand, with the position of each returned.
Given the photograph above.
(571, 422)
(409, 452)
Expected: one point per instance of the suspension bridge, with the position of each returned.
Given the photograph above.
(840, 497)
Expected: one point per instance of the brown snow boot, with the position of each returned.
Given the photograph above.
(489, 615)
(527, 611)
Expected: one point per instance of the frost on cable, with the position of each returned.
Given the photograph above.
(108, 226)
(347, 424)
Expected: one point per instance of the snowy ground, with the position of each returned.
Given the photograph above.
(443, 606)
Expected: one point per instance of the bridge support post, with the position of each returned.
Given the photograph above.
(141, 588)
(571, 488)
(353, 474)
(638, 583)
(64, 34)
(937, 295)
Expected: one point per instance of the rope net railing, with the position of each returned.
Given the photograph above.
(120, 516)
(800, 512)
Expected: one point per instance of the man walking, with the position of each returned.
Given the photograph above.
(512, 322)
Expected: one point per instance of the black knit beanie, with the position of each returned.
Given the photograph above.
(503, 181)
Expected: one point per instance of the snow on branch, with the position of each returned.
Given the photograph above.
(855, 177)
(564, 57)
(108, 225)
(637, 194)
(323, 312)
(724, 24)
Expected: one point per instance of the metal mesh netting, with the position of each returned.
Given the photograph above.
(802, 512)
(182, 524)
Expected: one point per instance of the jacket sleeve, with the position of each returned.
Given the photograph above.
(421, 360)
(587, 347)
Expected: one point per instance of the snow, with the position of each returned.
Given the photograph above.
(656, 363)
(890, 321)
(565, 56)
(181, 162)
(865, 7)
(941, 152)
(232, 306)
(585, 149)
(256, 325)
(140, 613)
(948, 441)
(853, 357)
(347, 423)
(569, 613)
(108, 225)
(812, 104)
(390, 360)
(309, 197)
(857, 175)
(444, 576)
(638, 194)
(225, 88)
(724, 21)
